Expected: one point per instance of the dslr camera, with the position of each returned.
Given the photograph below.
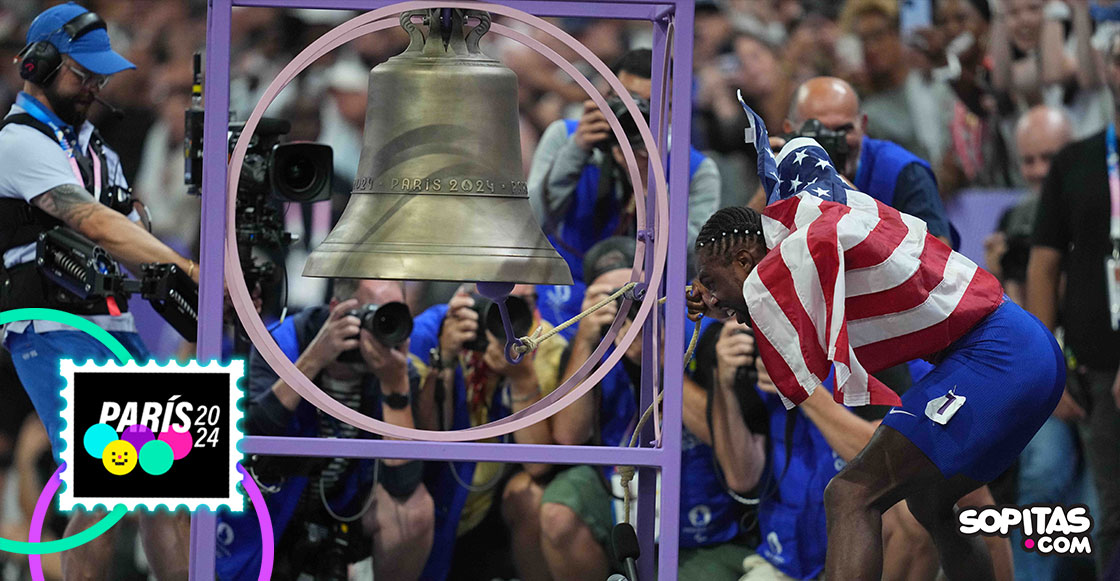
(321, 548)
(520, 318)
(629, 126)
(835, 143)
(391, 324)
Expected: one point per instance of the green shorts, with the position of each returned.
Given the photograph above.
(583, 489)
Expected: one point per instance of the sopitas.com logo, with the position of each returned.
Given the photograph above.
(1049, 529)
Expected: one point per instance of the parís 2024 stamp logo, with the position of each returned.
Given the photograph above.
(150, 434)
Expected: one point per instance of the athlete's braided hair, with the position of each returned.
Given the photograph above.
(728, 228)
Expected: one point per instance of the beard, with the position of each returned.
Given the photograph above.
(70, 109)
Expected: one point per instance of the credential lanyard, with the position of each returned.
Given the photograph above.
(33, 108)
(1112, 262)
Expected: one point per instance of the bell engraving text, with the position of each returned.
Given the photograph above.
(442, 185)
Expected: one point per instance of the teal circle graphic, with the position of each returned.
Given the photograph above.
(97, 437)
(156, 457)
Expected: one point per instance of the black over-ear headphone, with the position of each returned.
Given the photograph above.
(39, 61)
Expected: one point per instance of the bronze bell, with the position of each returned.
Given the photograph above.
(439, 193)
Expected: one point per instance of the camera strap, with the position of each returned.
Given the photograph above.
(1112, 262)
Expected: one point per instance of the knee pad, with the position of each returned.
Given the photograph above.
(401, 481)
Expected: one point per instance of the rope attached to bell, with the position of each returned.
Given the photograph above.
(532, 342)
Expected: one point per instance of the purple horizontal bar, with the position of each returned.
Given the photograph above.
(471, 451)
(620, 9)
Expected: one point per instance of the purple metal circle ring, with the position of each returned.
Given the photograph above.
(566, 393)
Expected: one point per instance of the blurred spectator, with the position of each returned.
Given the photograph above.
(1039, 135)
(159, 180)
(905, 107)
(1071, 239)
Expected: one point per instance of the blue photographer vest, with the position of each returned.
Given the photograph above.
(448, 495)
(238, 535)
(880, 163)
(791, 518)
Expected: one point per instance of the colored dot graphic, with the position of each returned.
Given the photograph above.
(156, 457)
(137, 435)
(181, 442)
(1029, 543)
(97, 437)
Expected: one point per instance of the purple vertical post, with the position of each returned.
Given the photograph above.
(674, 287)
(211, 261)
(647, 477)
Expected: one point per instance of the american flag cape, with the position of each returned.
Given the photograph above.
(850, 283)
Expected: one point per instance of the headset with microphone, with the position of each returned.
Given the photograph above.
(41, 60)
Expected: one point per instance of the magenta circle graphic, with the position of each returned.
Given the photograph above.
(137, 435)
(180, 442)
(1029, 543)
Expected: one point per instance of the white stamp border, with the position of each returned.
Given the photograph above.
(233, 500)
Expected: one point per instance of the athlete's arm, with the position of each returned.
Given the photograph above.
(113, 231)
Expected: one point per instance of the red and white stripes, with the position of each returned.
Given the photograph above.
(860, 287)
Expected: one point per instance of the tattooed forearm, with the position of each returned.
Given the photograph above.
(70, 203)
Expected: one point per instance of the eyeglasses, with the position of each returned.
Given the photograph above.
(89, 79)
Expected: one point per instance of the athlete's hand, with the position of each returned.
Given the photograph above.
(694, 299)
(1068, 410)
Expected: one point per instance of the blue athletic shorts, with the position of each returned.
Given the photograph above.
(36, 356)
(1011, 373)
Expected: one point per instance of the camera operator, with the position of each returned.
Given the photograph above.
(578, 511)
(828, 109)
(469, 383)
(785, 460)
(58, 172)
(580, 188)
(325, 512)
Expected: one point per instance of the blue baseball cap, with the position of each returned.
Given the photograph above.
(91, 50)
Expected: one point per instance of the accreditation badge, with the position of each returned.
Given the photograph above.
(1112, 276)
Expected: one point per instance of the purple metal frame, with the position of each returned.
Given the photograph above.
(666, 458)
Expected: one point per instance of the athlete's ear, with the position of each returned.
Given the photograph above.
(744, 259)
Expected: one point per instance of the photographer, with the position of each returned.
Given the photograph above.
(828, 110)
(786, 458)
(581, 504)
(58, 172)
(468, 383)
(580, 188)
(326, 511)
